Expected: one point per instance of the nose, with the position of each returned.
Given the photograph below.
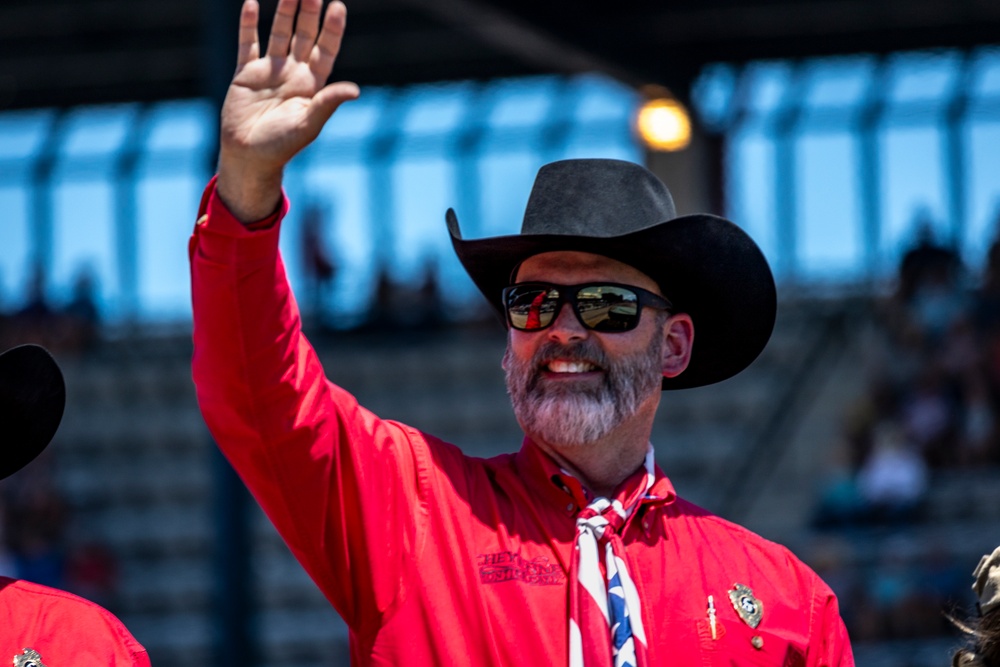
(566, 327)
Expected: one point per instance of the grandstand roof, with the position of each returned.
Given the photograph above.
(69, 52)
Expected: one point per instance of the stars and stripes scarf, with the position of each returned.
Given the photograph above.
(605, 626)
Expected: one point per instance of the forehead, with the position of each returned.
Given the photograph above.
(571, 267)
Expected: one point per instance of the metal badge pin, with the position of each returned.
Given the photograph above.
(748, 607)
(29, 658)
(711, 616)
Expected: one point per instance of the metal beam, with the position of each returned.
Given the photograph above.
(745, 21)
(521, 39)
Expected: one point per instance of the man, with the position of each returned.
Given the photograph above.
(39, 625)
(574, 551)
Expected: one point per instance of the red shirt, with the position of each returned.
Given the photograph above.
(62, 628)
(436, 558)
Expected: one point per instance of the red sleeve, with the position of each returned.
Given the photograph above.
(830, 643)
(339, 484)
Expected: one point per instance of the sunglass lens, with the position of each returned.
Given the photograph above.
(531, 308)
(608, 308)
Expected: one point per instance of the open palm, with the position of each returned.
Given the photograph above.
(278, 103)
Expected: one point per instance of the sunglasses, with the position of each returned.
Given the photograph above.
(604, 307)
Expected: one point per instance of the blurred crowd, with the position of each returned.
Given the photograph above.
(904, 592)
(40, 542)
(65, 328)
(37, 539)
(932, 406)
(934, 392)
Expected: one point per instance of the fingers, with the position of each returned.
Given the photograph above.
(306, 28)
(249, 43)
(328, 44)
(281, 29)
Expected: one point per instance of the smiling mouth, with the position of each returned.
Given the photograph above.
(570, 367)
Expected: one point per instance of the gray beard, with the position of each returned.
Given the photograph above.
(565, 416)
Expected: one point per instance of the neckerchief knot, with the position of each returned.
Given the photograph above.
(600, 515)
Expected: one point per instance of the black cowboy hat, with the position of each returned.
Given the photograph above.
(32, 398)
(707, 266)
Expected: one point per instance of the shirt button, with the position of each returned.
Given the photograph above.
(569, 508)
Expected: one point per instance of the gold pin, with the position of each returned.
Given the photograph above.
(758, 642)
(748, 607)
(711, 616)
(29, 658)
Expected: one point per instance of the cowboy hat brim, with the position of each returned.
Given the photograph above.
(32, 400)
(707, 266)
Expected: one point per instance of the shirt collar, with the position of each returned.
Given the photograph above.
(554, 484)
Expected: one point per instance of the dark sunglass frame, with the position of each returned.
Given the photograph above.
(571, 294)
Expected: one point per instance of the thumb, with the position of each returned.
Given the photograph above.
(328, 100)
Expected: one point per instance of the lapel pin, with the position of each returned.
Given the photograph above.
(711, 617)
(29, 658)
(748, 607)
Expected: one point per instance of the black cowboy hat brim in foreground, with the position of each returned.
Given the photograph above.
(705, 265)
(32, 399)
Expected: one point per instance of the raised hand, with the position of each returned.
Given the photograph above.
(277, 104)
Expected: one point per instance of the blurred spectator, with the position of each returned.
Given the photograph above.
(928, 416)
(33, 321)
(382, 314)
(977, 433)
(92, 573)
(899, 594)
(412, 305)
(8, 568)
(878, 404)
(930, 294)
(927, 260)
(988, 297)
(82, 319)
(937, 302)
(36, 305)
(893, 481)
(317, 262)
(832, 559)
(891, 584)
(840, 503)
(36, 522)
(70, 329)
(429, 297)
(962, 350)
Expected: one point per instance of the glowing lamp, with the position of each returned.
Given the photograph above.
(664, 125)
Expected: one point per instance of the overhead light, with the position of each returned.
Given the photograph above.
(663, 123)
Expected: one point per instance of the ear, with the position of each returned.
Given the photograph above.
(678, 338)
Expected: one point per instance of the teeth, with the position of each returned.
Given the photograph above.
(571, 367)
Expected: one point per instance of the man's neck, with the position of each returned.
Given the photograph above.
(602, 465)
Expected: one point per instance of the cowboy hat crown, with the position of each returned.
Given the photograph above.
(32, 399)
(704, 264)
